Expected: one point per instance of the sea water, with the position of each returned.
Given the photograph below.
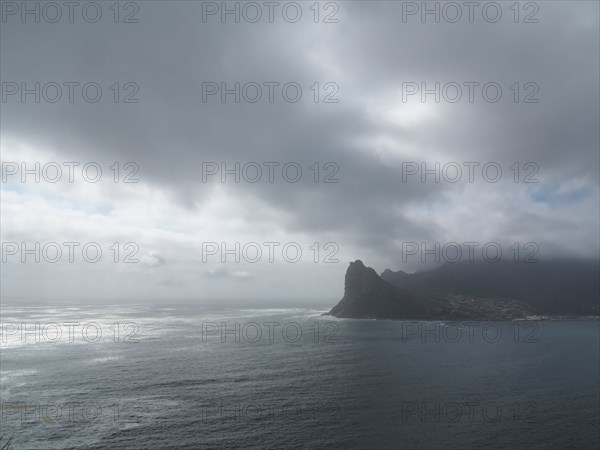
(146, 377)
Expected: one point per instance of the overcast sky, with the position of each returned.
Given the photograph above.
(367, 58)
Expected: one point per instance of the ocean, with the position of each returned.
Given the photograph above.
(143, 377)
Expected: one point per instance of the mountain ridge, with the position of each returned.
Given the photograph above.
(473, 291)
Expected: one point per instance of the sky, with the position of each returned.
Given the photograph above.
(342, 140)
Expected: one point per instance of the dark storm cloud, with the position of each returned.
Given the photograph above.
(170, 132)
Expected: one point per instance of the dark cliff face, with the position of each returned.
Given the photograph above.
(368, 296)
(480, 291)
(360, 279)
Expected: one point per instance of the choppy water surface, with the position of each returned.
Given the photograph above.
(185, 377)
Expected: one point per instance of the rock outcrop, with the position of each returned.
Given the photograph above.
(368, 296)
(470, 292)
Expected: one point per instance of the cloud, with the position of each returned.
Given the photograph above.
(224, 272)
(361, 141)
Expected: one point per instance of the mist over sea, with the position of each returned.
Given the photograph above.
(144, 377)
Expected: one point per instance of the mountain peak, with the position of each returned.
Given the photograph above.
(367, 295)
(473, 291)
